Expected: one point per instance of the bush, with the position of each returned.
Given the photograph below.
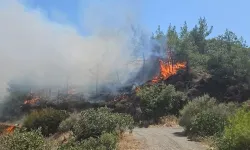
(92, 123)
(170, 101)
(236, 135)
(207, 123)
(106, 141)
(48, 119)
(194, 107)
(67, 124)
(204, 117)
(212, 121)
(22, 140)
(159, 100)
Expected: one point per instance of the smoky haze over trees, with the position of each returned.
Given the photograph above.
(45, 54)
(48, 54)
(205, 95)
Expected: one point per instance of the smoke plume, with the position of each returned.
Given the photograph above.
(48, 54)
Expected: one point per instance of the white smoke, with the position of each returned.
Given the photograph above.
(49, 54)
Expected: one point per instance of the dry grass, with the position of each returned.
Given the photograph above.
(128, 142)
(60, 138)
(209, 142)
(167, 121)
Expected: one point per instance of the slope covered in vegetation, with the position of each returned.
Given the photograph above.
(207, 96)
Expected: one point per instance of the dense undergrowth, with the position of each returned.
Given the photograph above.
(48, 119)
(92, 129)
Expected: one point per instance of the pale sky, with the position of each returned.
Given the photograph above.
(221, 14)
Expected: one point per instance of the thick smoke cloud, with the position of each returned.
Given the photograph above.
(49, 54)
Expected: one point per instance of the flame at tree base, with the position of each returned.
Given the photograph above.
(167, 70)
(32, 101)
(10, 129)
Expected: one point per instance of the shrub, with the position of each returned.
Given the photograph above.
(92, 123)
(159, 100)
(194, 107)
(22, 140)
(170, 101)
(212, 121)
(207, 123)
(204, 117)
(48, 119)
(168, 121)
(106, 141)
(109, 140)
(236, 135)
(68, 123)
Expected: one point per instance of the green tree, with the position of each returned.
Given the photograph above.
(200, 33)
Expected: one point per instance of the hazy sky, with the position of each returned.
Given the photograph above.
(221, 14)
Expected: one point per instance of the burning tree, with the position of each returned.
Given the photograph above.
(8, 128)
(167, 70)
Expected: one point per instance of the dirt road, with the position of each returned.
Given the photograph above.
(166, 138)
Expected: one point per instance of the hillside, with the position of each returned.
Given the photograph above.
(201, 82)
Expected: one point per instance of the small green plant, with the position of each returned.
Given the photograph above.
(92, 123)
(236, 135)
(48, 119)
(23, 140)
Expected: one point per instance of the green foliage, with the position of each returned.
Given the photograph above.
(107, 141)
(193, 108)
(236, 135)
(68, 124)
(23, 140)
(228, 57)
(225, 58)
(48, 119)
(207, 123)
(92, 123)
(169, 101)
(148, 98)
(172, 36)
(204, 117)
(159, 100)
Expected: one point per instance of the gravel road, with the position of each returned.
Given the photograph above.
(166, 138)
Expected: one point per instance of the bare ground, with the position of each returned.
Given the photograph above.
(166, 138)
(128, 142)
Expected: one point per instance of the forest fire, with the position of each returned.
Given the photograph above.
(71, 91)
(167, 70)
(32, 101)
(121, 97)
(10, 129)
(137, 89)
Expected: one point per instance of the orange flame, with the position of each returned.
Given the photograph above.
(71, 91)
(10, 129)
(137, 89)
(32, 101)
(121, 97)
(167, 70)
